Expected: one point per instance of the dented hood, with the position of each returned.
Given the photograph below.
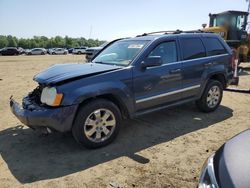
(66, 72)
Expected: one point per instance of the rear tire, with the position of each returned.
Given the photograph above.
(79, 53)
(211, 97)
(97, 123)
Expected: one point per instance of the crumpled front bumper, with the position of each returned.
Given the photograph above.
(37, 117)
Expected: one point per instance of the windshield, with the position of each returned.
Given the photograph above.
(120, 52)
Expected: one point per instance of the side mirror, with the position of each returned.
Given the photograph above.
(152, 61)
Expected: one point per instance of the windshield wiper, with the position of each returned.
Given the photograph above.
(114, 64)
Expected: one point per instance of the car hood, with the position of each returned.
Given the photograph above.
(232, 164)
(66, 72)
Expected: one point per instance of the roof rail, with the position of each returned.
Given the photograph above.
(157, 32)
(173, 32)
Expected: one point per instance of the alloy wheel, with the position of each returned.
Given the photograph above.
(99, 125)
(213, 96)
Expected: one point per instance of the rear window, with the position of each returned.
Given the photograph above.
(214, 46)
(192, 48)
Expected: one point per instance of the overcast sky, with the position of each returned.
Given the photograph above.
(106, 19)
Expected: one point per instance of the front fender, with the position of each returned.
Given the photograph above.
(114, 88)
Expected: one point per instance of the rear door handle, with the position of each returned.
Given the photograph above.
(174, 71)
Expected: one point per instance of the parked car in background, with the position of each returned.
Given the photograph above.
(21, 50)
(9, 51)
(26, 51)
(80, 50)
(58, 51)
(128, 78)
(37, 51)
(48, 50)
(70, 50)
(92, 51)
(229, 166)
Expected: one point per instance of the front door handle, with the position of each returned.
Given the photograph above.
(174, 71)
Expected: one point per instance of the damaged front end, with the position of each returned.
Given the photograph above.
(39, 116)
(44, 107)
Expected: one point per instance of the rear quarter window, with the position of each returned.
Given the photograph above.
(214, 46)
(192, 48)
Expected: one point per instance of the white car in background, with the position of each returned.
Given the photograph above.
(80, 50)
(58, 51)
(36, 51)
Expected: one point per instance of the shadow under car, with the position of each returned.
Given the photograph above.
(31, 158)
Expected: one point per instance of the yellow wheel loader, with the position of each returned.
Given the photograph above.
(231, 25)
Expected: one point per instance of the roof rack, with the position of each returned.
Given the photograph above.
(173, 32)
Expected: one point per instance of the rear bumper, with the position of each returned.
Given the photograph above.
(37, 117)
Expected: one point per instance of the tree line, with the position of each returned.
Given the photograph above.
(45, 42)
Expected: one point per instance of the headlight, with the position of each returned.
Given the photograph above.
(207, 178)
(50, 96)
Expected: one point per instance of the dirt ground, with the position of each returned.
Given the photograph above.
(161, 149)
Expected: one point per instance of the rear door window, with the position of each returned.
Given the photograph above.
(192, 48)
(214, 46)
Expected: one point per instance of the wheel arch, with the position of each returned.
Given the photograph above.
(110, 97)
(219, 76)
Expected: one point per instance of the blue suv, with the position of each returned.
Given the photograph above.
(127, 78)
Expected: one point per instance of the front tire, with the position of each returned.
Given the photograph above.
(97, 123)
(211, 97)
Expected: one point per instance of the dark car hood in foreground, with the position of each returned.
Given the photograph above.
(63, 72)
(232, 162)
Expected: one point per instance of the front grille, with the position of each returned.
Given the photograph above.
(32, 100)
